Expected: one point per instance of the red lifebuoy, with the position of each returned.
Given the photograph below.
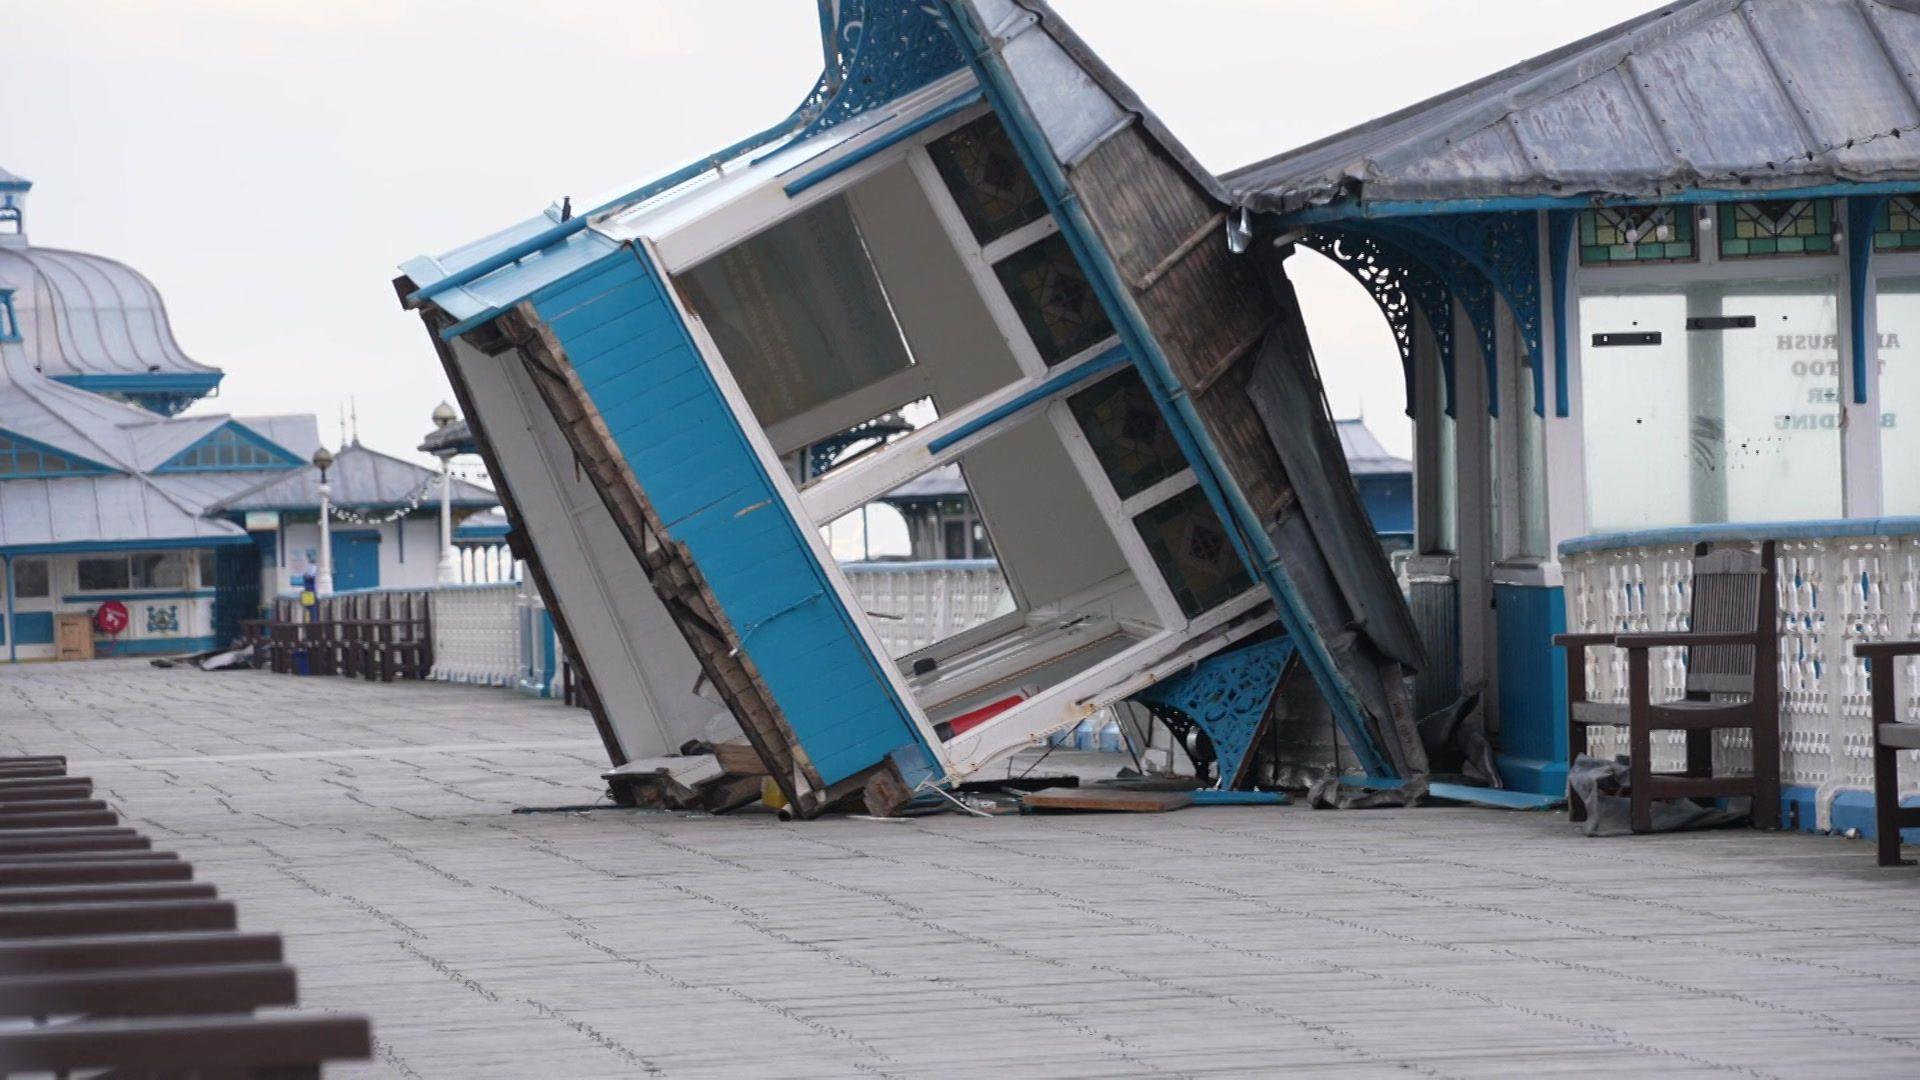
(111, 617)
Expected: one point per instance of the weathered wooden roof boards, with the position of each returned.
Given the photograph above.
(1131, 403)
(1732, 96)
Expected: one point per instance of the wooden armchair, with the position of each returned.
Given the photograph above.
(1733, 681)
(1889, 738)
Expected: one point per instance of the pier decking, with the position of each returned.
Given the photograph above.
(373, 826)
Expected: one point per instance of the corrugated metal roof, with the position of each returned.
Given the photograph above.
(1741, 95)
(84, 314)
(359, 477)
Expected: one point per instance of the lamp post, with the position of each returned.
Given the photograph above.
(449, 562)
(323, 579)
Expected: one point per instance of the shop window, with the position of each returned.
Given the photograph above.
(120, 572)
(1712, 401)
(981, 168)
(799, 314)
(1057, 304)
(101, 575)
(1193, 552)
(1124, 426)
(1897, 226)
(1776, 227)
(1897, 311)
(30, 579)
(1636, 234)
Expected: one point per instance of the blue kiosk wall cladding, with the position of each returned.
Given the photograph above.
(665, 413)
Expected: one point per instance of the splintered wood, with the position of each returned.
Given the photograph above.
(1125, 800)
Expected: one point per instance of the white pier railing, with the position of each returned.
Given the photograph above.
(914, 604)
(1840, 582)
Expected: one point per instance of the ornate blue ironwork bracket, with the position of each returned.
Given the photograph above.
(1398, 283)
(1502, 250)
(876, 51)
(1861, 212)
(1560, 226)
(1226, 696)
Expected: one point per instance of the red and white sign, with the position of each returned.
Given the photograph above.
(111, 617)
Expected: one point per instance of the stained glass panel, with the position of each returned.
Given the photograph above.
(1055, 301)
(1776, 227)
(1897, 226)
(985, 175)
(1636, 234)
(1192, 551)
(1127, 433)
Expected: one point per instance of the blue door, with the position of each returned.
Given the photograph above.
(356, 560)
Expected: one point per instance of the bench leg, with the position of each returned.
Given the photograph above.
(1886, 804)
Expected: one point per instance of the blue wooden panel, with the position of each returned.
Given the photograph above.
(356, 560)
(1532, 741)
(33, 628)
(695, 464)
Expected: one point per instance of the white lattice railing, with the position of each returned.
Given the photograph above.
(1840, 583)
(476, 633)
(912, 605)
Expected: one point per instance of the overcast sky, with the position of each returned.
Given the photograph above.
(268, 162)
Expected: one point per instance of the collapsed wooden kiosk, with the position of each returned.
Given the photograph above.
(972, 217)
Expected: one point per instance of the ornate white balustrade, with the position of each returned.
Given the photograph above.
(477, 633)
(912, 605)
(1840, 583)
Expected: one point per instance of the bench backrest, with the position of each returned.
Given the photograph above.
(1734, 591)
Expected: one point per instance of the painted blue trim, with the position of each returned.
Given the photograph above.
(1244, 530)
(129, 546)
(1386, 208)
(154, 646)
(127, 594)
(9, 322)
(288, 459)
(1861, 212)
(1106, 361)
(892, 139)
(6, 564)
(1241, 798)
(1560, 230)
(1494, 798)
(924, 564)
(1531, 745)
(89, 467)
(159, 382)
(1744, 530)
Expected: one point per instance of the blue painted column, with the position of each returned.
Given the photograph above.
(12, 639)
(1531, 747)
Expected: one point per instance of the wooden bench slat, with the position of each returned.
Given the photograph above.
(225, 1042)
(57, 818)
(89, 952)
(132, 917)
(82, 872)
(16, 895)
(141, 853)
(10, 806)
(218, 988)
(36, 790)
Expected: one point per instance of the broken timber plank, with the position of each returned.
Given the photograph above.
(1108, 799)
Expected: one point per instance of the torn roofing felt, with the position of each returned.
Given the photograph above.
(1739, 95)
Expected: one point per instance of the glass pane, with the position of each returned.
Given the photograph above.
(1056, 304)
(1897, 226)
(1898, 311)
(207, 564)
(1191, 548)
(798, 313)
(1636, 234)
(1740, 423)
(97, 575)
(30, 579)
(1776, 227)
(1127, 433)
(987, 179)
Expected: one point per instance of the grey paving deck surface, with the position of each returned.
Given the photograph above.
(373, 827)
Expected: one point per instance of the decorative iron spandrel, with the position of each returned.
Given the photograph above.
(1226, 696)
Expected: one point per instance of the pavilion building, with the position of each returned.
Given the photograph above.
(108, 495)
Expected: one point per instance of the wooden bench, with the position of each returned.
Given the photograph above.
(1733, 682)
(113, 958)
(1889, 738)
